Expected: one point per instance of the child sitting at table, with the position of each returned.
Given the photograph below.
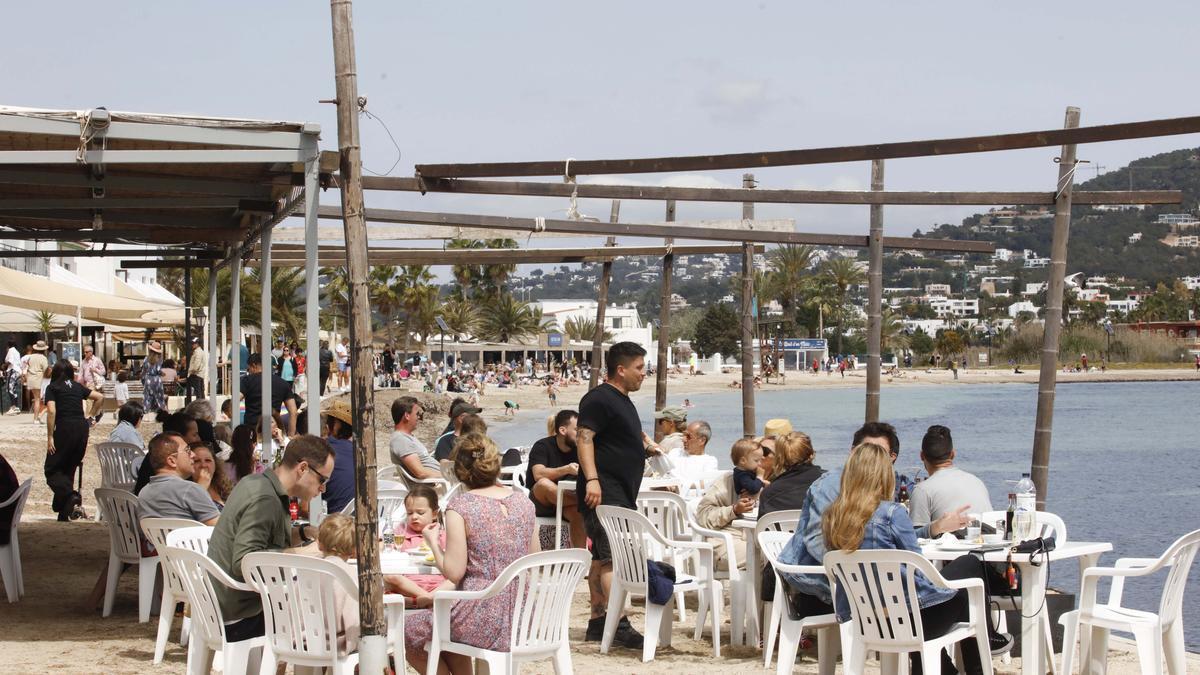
(747, 456)
(421, 503)
(335, 540)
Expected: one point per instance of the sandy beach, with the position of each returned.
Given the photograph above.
(50, 630)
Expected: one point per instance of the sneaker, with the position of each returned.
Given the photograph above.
(1001, 643)
(628, 637)
(595, 630)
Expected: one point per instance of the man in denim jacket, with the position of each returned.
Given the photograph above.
(807, 546)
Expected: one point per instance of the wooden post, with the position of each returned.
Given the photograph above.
(875, 296)
(749, 424)
(235, 338)
(664, 322)
(373, 649)
(187, 332)
(1047, 376)
(265, 342)
(312, 300)
(210, 340)
(602, 304)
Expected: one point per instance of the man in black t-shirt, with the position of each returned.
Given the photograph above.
(551, 460)
(325, 362)
(281, 394)
(612, 455)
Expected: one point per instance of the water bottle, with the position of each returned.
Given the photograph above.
(1025, 517)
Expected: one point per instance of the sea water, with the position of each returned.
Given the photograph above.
(1124, 464)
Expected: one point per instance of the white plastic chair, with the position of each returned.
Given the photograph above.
(509, 475)
(442, 485)
(693, 488)
(630, 537)
(1048, 524)
(194, 538)
(198, 574)
(545, 584)
(1156, 635)
(156, 530)
(299, 610)
(120, 509)
(775, 522)
(10, 555)
(828, 637)
(116, 464)
(668, 512)
(881, 588)
(383, 484)
(388, 503)
(544, 522)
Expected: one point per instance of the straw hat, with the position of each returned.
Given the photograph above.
(155, 346)
(39, 346)
(777, 427)
(339, 410)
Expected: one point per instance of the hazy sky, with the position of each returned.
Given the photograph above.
(491, 81)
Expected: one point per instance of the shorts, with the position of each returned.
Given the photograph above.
(595, 531)
(343, 366)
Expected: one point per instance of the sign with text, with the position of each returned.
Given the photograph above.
(806, 344)
(554, 339)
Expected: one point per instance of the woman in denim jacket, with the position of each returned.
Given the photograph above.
(864, 517)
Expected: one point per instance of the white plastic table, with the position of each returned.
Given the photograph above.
(397, 562)
(1033, 590)
(749, 582)
(568, 485)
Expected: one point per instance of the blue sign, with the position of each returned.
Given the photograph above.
(806, 344)
(554, 339)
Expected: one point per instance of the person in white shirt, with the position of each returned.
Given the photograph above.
(690, 462)
(197, 369)
(342, 351)
(948, 487)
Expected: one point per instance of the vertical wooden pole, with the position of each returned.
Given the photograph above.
(875, 296)
(312, 290)
(1047, 376)
(187, 332)
(235, 339)
(265, 344)
(373, 650)
(210, 341)
(602, 304)
(664, 321)
(749, 424)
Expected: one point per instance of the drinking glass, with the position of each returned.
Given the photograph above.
(974, 531)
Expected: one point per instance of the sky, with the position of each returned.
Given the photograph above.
(488, 81)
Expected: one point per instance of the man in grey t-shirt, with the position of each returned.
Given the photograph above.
(406, 450)
(170, 494)
(948, 487)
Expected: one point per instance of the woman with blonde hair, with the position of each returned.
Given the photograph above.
(488, 526)
(864, 517)
(793, 471)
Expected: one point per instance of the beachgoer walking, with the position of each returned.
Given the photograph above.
(197, 369)
(153, 397)
(1083, 361)
(67, 427)
(34, 375)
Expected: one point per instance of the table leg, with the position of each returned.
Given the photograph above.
(751, 603)
(1093, 647)
(1033, 593)
(558, 516)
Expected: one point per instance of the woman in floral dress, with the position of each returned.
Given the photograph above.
(487, 528)
(153, 397)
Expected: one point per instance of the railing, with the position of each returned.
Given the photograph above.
(39, 266)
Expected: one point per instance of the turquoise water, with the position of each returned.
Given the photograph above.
(1124, 467)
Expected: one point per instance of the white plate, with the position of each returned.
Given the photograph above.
(958, 546)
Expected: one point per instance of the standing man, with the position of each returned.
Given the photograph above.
(612, 453)
(343, 363)
(325, 360)
(197, 368)
(281, 395)
(256, 518)
(405, 449)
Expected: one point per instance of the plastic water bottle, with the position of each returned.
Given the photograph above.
(1025, 518)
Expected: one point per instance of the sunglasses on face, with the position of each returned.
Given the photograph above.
(322, 479)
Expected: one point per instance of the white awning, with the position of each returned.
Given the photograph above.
(35, 293)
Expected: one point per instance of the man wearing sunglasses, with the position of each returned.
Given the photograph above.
(256, 518)
(175, 491)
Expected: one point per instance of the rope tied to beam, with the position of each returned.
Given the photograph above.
(88, 128)
(1068, 178)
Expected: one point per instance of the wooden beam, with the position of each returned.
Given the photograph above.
(123, 180)
(165, 264)
(584, 228)
(112, 253)
(698, 194)
(514, 256)
(125, 218)
(129, 235)
(851, 153)
(101, 203)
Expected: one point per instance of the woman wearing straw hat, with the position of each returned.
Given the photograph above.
(35, 372)
(153, 398)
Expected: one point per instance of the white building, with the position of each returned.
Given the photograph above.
(954, 307)
(1034, 289)
(1122, 306)
(1177, 219)
(1183, 241)
(622, 321)
(1135, 237)
(1031, 263)
(939, 290)
(1002, 255)
(1192, 283)
(1015, 309)
(928, 326)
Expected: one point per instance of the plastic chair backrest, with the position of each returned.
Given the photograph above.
(1050, 524)
(193, 538)
(778, 521)
(383, 484)
(19, 498)
(1180, 555)
(389, 501)
(881, 588)
(630, 538)
(546, 583)
(120, 509)
(771, 543)
(697, 486)
(197, 574)
(386, 473)
(667, 512)
(116, 464)
(298, 597)
(156, 530)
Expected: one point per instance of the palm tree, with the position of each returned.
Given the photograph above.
(788, 264)
(384, 298)
(509, 319)
(583, 329)
(495, 277)
(842, 273)
(336, 295)
(893, 334)
(287, 300)
(418, 297)
(460, 317)
(45, 323)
